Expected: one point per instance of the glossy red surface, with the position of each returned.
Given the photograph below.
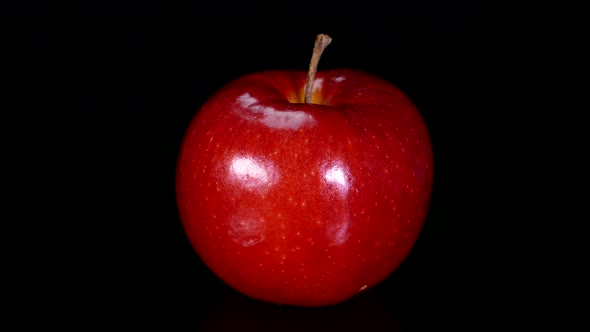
(305, 204)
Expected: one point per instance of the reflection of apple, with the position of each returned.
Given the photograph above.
(300, 196)
(367, 312)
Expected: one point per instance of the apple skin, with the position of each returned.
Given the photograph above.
(305, 204)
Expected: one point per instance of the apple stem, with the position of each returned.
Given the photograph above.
(321, 42)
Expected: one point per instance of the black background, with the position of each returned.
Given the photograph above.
(95, 106)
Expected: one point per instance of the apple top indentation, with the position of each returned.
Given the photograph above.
(251, 109)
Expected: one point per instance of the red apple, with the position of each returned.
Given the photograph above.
(305, 203)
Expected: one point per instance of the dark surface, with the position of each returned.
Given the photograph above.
(94, 109)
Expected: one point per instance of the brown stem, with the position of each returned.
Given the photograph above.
(321, 42)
